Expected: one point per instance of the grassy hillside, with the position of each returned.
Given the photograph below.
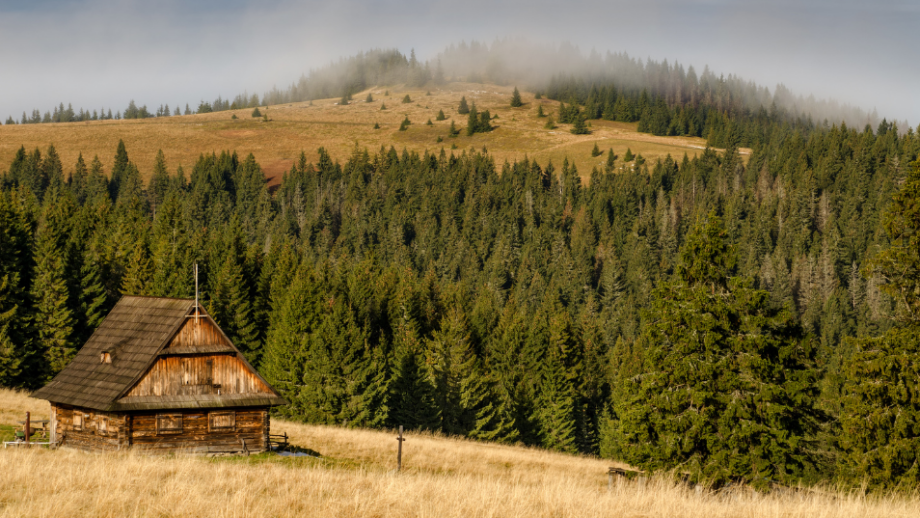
(301, 127)
(443, 477)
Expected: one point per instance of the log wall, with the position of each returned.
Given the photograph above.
(100, 431)
(251, 427)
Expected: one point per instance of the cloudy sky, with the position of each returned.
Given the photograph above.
(95, 53)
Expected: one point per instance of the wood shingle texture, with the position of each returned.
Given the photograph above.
(139, 359)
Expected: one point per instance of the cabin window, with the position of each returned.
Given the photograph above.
(102, 425)
(169, 423)
(222, 421)
(105, 357)
(78, 421)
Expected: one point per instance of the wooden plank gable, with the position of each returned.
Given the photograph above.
(211, 374)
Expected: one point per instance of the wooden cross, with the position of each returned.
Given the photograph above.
(399, 451)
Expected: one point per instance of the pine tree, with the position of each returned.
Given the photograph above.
(516, 99)
(159, 182)
(404, 125)
(256, 112)
(880, 410)
(407, 99)
(296, 314)
(412, 400)
(93, 300)
(11, 353)
(611, 160)
(440, 116)
(472, 121)
(580, 127)
(540, 113)
(53, 319)
(370, 98)
(596, 152)
(79, 179)
(454, 130)
(138, 272)
(345, 97)
(463, 109)
(628, 157)
(118, 170)
(727, 386)
(550, 124)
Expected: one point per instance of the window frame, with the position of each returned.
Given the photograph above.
(81, 417)
(161, 417)
(222, 429)
(102, 425)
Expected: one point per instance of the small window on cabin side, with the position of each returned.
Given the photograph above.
(102, 425)
(105, 357)
(78, 421)
(169, 423)
(222, 421)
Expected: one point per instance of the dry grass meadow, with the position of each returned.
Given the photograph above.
(304, 127)
(444, 477)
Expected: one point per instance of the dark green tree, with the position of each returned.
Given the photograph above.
(516, 99)
(464, 108)
(727, 385)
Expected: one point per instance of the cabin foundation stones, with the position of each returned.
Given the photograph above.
(160, 376)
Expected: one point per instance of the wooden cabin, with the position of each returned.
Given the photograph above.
(160, 376)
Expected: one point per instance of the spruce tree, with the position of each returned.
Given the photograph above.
(407, 99)
(294, 316)
(596, 152)
(726, 388)
(463, 109)
(880, 414)
(138, 272)
(579, 126)
(516, 99)
(370, 98)
(79, 179)
(440, 116)
(540, 113)
(53, 319)
(159, 182)
(118, 170)
(472, 121)
(11, 353)
(550, 124)
(256, 112)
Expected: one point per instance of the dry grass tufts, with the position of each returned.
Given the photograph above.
(444, 477)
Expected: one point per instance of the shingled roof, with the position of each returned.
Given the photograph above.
(134, 333)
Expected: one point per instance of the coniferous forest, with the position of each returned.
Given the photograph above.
(736, 321)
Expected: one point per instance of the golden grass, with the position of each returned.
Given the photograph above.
(443, 478)
(14, 404)
(300, 127)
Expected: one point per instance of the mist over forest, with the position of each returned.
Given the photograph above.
(532, 66)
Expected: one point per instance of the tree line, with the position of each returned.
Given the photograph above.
(733, 320)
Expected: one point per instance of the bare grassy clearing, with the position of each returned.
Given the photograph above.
(443, 478)
(300, 127)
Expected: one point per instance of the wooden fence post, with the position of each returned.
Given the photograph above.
(399, 451)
